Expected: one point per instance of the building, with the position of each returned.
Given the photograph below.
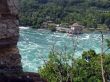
(76, 28)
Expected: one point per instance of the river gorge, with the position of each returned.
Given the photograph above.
(34, 44)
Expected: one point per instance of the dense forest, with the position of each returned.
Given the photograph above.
(90, 13)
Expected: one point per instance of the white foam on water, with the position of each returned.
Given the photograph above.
(87, 36)
(22, 27)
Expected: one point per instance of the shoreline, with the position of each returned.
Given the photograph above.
(86, 30)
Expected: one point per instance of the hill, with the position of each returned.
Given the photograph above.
(90, 13)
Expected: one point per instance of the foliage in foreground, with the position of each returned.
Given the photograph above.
(62, 67)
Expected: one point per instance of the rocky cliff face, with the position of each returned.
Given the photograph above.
(9, 34)
(10, 60)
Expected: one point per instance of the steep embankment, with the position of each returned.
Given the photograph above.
(10, 59)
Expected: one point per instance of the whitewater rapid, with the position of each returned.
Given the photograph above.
(34, 44)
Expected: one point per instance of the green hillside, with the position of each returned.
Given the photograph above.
(90, 13)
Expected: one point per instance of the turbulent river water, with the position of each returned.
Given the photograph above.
(35, 44)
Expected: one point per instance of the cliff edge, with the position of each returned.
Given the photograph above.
(10, 59)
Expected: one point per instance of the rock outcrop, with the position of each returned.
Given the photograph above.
(9, 33)
(10, 59)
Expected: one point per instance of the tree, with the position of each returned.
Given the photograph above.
(107, 22)
(92, 67)
(101, 57)
(88, 12)
(58, 68)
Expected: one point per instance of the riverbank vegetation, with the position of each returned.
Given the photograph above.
(84, 69)
(89, 13)
(90, 67)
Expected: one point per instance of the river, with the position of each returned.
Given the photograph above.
(34, 44)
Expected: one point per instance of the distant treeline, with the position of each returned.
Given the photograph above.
(90, 13)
